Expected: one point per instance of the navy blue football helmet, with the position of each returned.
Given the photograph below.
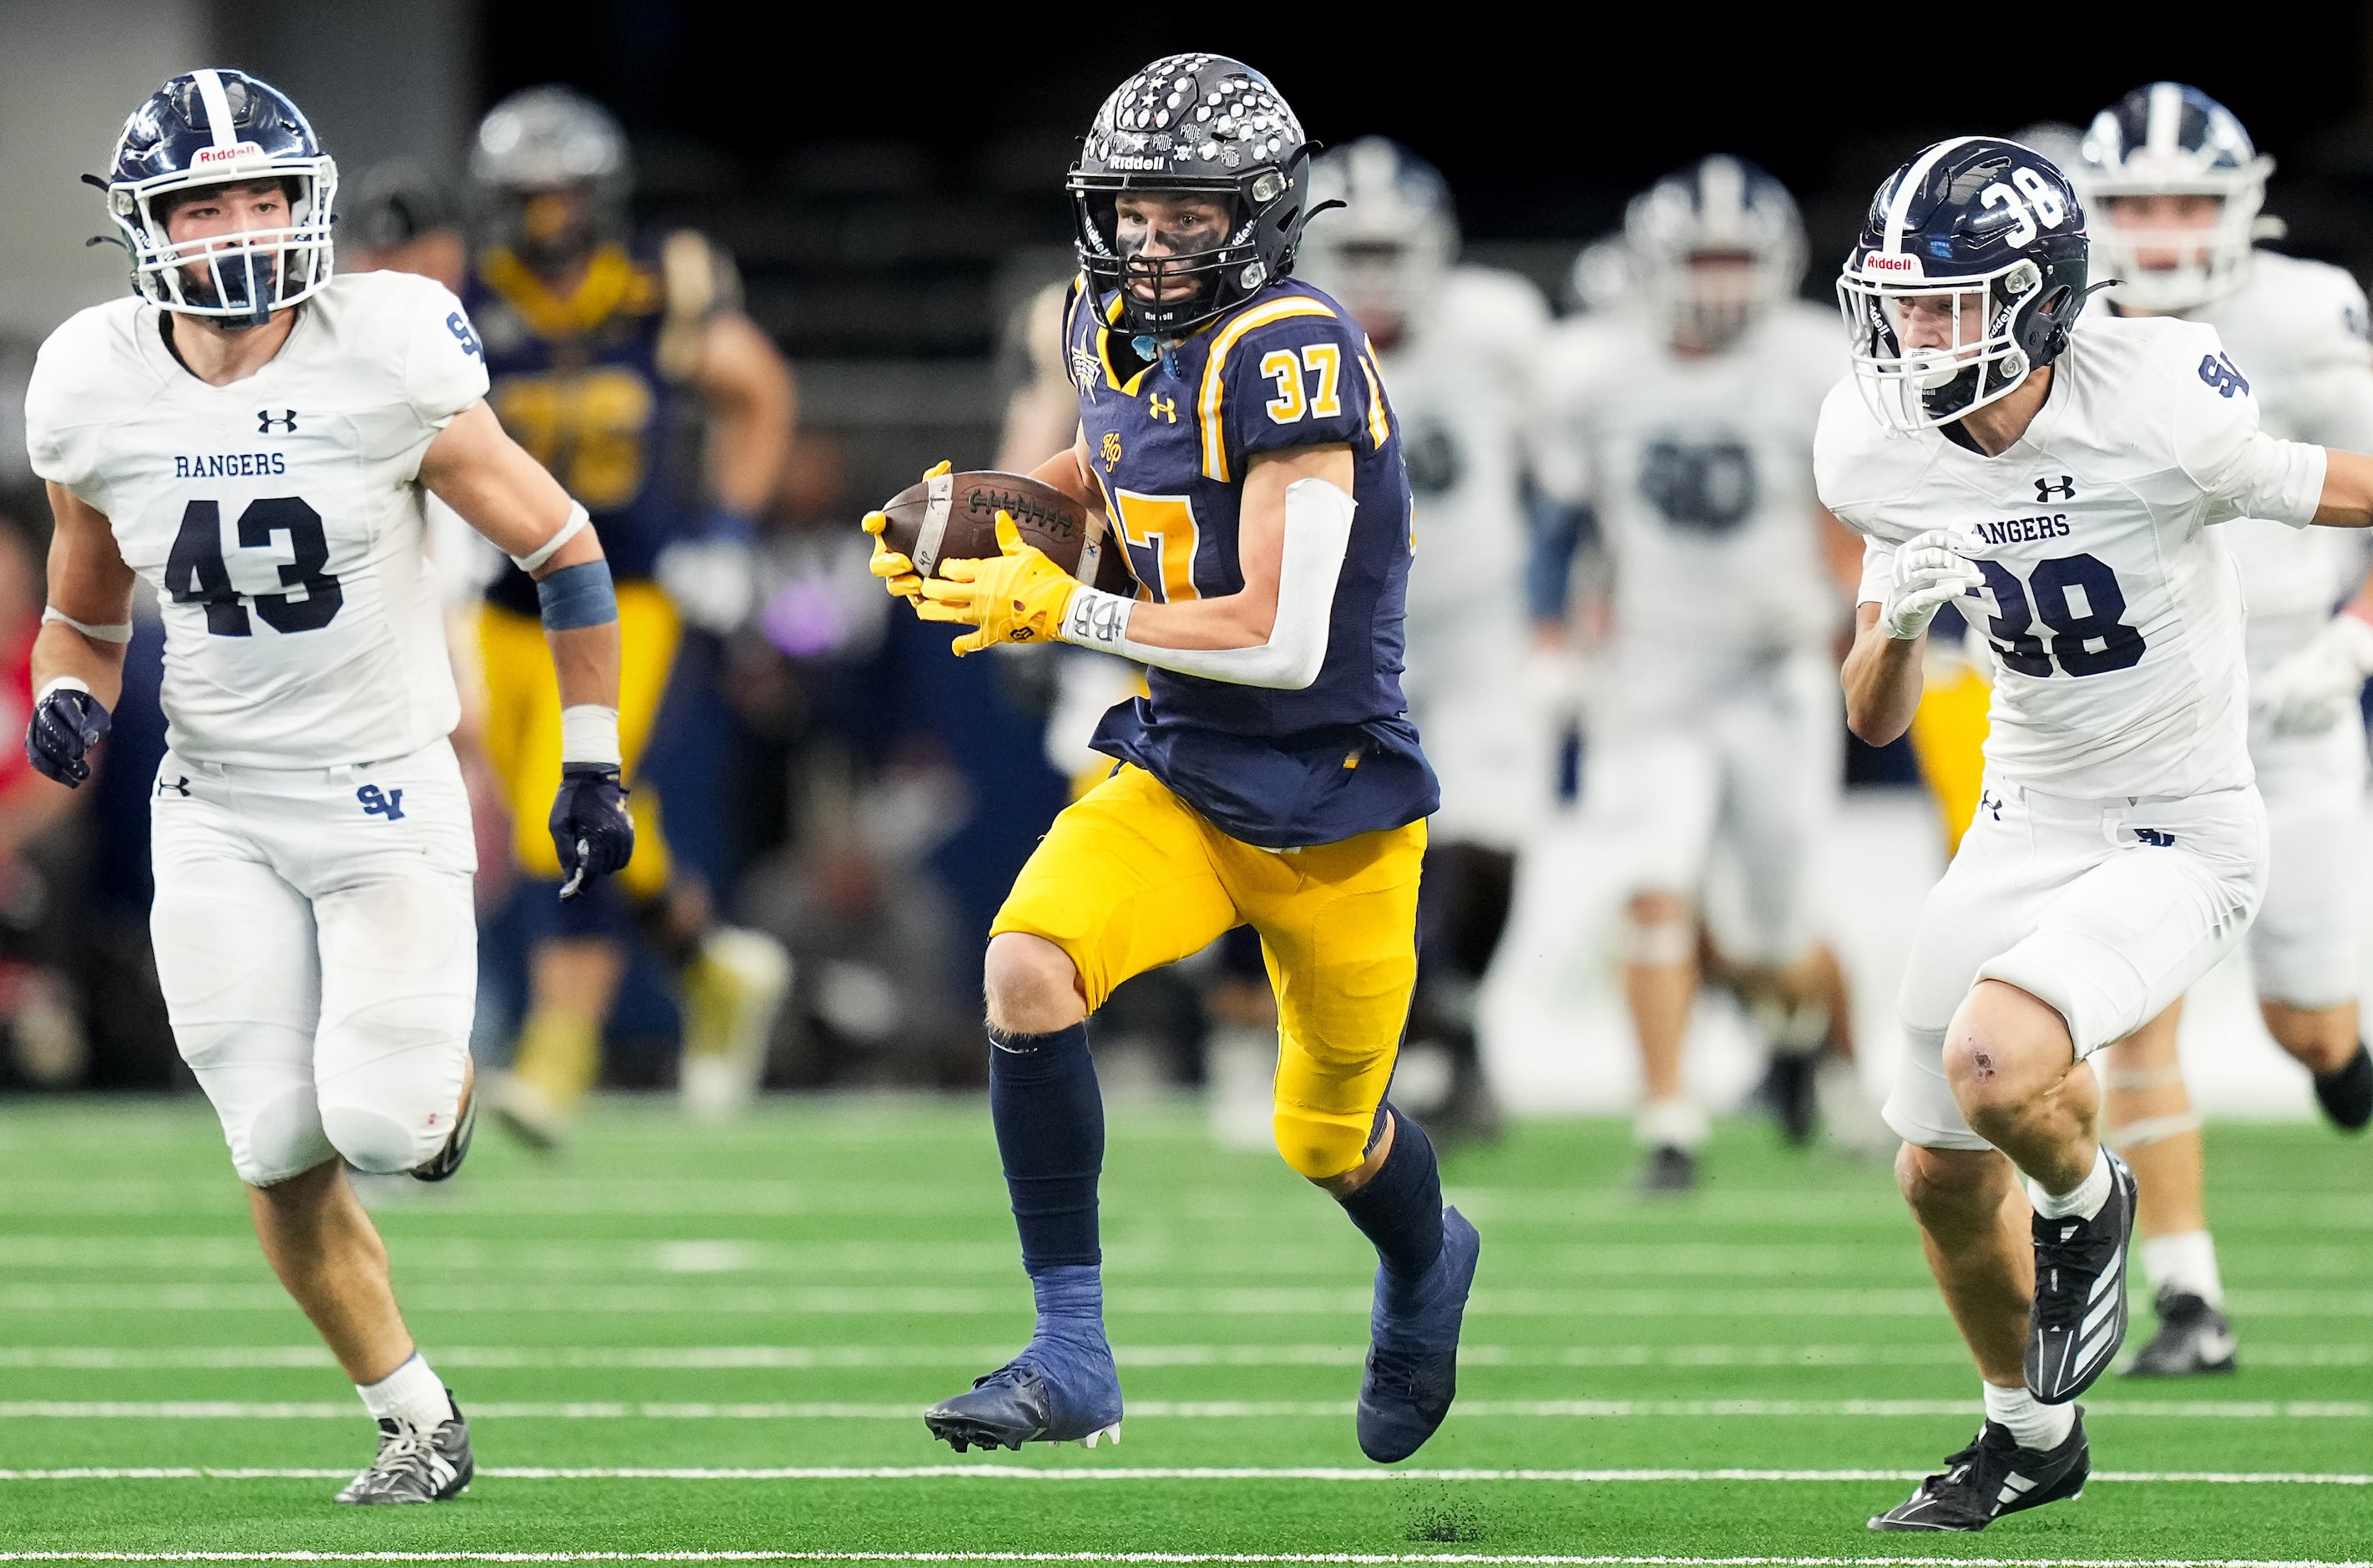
(1199, 125)
(2171, 140)
(1974, 251)
(213, 128)
(1718, 207)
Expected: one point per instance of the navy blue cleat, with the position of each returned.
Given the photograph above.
(1063, 1387)
(1413, 1348)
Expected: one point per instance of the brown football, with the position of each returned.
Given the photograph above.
(954, 518)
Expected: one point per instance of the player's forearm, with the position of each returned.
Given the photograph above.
(1236, 620)
(752, 403)
(2347, 497)
(1882, 679)
(1067, 471)
(60, 651)
(587, 658)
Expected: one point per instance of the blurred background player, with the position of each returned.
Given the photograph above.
(1684, 421)
(401, 218)
(1455, 345)
(2172, 188)
(624, 364)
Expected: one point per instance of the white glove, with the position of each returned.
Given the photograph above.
(2313, 686)
(713, 581)
(1929, 573)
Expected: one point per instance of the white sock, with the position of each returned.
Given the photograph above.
(2186, 1262)
(2035, 1425)
(411, 1396)
(1671, 1124)
(2082, 1201)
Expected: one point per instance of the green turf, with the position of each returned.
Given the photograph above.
(828, 1269)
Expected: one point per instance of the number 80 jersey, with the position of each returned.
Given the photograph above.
(278, 518)
(2112, 610)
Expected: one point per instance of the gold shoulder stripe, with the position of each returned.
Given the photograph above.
(1207, 406)
(1380, 423)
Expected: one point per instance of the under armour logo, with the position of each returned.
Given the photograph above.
(388, 803)
(2063, 488)
(265, 419)
(2219, 371)
(2156, 838)
(1161, 407)
(1986, 802)
(179, 786)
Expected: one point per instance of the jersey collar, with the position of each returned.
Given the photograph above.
(608, 281)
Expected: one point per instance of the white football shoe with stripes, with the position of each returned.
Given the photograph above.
(2078, 1318)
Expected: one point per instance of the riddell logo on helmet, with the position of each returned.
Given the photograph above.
(1894, 263)
(1150, 165)
(238, 152)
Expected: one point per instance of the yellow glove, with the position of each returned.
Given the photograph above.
(1019, 596)
(896, 572)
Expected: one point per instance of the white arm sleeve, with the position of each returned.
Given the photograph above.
(1317, 536)
(2213, 429)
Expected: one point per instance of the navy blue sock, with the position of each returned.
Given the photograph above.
(1050, 1133)
(1399, 1209)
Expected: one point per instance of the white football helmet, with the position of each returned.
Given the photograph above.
(2167, 139)
(1718, 207)
(1385, 252)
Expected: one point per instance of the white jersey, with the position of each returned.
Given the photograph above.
(2112, 613)
(278, 518)
(2296, 329)
(1461, 384)
(1699, 472)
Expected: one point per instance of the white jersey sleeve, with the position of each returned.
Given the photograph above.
(1877, 571)
(71, 403)
(439, 366)
(2213, 431)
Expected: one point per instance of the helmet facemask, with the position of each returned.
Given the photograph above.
(1192, 286)
(239, 278)
(2209, 260)
(1969, 331)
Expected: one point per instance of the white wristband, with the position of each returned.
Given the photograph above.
(1096, 619)
(61, 684)
(588, 732)
(577, 523)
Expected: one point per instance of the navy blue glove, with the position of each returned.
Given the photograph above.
(589, 825)
(66, 724)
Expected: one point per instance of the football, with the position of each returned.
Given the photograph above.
(954, 518)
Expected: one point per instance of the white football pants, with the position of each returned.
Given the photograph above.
(318, 950)
(2108, 910)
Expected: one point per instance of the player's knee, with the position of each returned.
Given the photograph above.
(2005, 1049)
(281, 1138)
(1033, 987)
(1658, 929)
(393, 1110)
(1321, 1147)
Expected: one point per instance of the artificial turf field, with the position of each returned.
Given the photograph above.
(716, 1341)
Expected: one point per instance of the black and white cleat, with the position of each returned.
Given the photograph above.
(1669, 1169)
(2347, 1092)
(416, 1466)
(2193, 1339)
(1992, 1476)
(441, 1166)
(2078, 1318)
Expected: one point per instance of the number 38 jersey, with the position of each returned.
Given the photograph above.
(2112, 609)
(278, 518)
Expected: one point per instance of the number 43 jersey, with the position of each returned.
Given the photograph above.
(2112, 609)
(279, 519)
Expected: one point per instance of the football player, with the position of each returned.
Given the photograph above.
(599, 344)
(1456, 344)
(1234, 432)
(253, 437)
(2062, 476)
(2173, 189)
(1684, 421)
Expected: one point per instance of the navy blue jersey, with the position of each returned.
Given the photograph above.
(578, 382)
(1170, 442)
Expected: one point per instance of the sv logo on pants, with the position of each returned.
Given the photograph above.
(376, 802)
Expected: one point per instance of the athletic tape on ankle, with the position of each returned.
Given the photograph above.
(2151, 1129)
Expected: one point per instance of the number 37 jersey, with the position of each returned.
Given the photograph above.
(278, 518)
(2111, 604)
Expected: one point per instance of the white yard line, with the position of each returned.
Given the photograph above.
(1529, 1559)
(988, 1471)
(1219, 1410)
